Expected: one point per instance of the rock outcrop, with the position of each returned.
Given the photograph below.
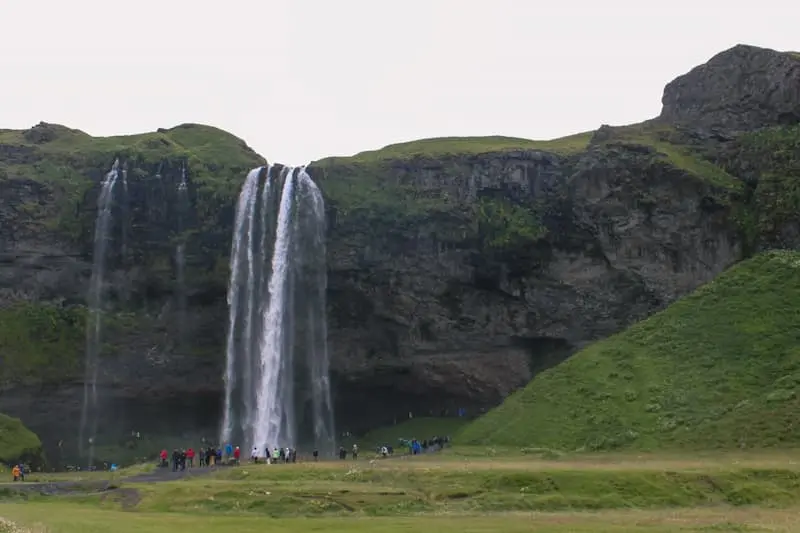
(742, 89)
(458, 269)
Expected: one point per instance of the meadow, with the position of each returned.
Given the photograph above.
(468, 490)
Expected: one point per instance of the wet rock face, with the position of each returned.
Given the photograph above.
(743, 88)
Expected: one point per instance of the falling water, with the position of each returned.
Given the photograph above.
(88, 423)
(277, 388)
(125, 212)
(238, 285)
(180, 253)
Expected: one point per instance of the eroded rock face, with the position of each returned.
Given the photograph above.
(743, 88)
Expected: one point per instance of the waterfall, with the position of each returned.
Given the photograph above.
(180, 253)
(125, 212)
(94, 322)
(277, 390)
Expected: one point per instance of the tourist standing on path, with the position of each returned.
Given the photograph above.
(236, 455)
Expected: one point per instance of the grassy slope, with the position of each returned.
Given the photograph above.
(17, 441)
(718, 369)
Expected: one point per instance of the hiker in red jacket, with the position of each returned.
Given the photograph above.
(163, 457)
(236, 454)
(190, 456)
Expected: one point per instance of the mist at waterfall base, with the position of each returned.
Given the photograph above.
(277, 389)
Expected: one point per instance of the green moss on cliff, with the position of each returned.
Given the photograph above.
(666, 142)
(718, 369)
(46, 342)
(774, 199)
(503, 224)
(41, 340)
(18, 443)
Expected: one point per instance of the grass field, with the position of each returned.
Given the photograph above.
(737, 491)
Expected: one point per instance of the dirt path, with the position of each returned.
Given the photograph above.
(52, 488)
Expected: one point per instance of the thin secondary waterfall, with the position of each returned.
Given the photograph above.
(180, 253)
(94, 323)
(277, 389)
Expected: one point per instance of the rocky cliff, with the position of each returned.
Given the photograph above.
(458, 268)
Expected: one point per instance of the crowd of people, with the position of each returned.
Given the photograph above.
(227, 455)
(232, 455)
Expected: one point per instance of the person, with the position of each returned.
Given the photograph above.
(316, 455)
(163, 457)
(15, 472)
(236, 454)
(254, 455)
(228, 452)
(355, 451)
(190, 457)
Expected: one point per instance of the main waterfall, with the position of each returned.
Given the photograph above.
(277, 390)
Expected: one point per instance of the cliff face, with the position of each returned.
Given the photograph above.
(458, 268)
(743, 89)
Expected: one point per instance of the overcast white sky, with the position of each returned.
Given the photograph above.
(304, 79)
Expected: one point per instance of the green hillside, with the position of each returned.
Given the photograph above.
(18, 443)
(718, 369)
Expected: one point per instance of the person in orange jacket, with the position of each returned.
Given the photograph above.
(15, 472)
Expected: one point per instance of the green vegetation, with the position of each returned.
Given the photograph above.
(579, 493)
(503, 224)
(669, 147)
(42, 340)
(65, 160)
(446, 147)
(775, 152)
(717, 369)
(18, 443)
(46, 341)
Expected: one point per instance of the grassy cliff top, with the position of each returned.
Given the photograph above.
(17, 441)
(720, 368)
(207, 143)
(69, 162)
(460, 146)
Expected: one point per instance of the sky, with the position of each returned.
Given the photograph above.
(299, 80)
